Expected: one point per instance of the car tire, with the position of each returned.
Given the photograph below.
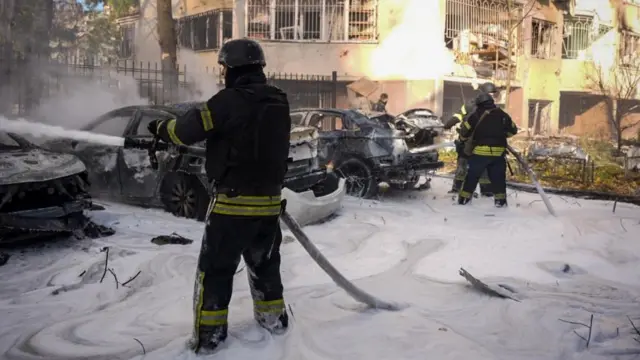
(184, 196)
(359, 177)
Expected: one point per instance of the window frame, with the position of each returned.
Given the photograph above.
(325, 33)
(217, 22)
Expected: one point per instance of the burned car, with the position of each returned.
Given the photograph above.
(41, 193)
(373, 152)
(180, 184)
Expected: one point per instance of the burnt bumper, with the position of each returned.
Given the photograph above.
(305, 181)
(28, 224)
(407, 173)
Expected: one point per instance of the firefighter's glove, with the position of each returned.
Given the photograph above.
(159, 129)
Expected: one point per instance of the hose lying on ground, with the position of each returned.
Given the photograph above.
(534, 180)
(355, 292)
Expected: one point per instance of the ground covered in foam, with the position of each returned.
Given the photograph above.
(405, 248)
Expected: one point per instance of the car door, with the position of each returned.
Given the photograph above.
(139, 180)
(330, 134)
(102, 160)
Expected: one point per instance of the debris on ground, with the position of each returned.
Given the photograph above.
(498, 291)
(173, 239)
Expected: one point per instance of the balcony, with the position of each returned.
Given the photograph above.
(484, 37)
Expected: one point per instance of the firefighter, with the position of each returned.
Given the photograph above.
(381, 105)
(246, 127)
(486, 132)
(462, 159)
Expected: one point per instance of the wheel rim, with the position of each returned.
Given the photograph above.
(356, 178)
(183, 199)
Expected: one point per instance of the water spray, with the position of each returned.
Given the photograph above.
(25, 127)
(22, 126)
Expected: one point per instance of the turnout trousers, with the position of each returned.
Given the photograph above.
(495, 168)
(462, 165)
(247, 227)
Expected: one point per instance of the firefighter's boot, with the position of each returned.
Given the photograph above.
(276, 323)
(500, 202)
(209, 339)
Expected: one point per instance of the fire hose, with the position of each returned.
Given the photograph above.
(152, 146)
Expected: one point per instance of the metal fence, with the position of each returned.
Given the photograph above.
(26, 84)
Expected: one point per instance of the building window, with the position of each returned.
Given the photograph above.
(578, 34)
(542, 38)
(128, 35)
(313, 20)
(629, 49)
(205, 31)
(484, 34)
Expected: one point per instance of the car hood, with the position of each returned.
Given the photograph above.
(36, 165)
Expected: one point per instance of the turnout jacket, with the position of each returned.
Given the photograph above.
(491, 133)
(247, 130)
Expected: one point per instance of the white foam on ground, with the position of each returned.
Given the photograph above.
(405, 248)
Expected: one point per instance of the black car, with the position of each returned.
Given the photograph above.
(180, 184)
(369, 152)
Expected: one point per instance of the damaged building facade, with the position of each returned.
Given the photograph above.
(540, 50)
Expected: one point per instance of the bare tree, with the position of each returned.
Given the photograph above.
(618, 84)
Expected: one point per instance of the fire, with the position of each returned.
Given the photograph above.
(414, 49)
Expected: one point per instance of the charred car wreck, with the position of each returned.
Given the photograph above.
(42, 193)
(377, 151)
(179, 184)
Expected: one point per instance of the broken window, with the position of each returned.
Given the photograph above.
(483, 34)
(312, 20)
(578, 34)
(541, 38)
(205, 31)
(630, 49)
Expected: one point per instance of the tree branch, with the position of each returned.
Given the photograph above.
(533, 3)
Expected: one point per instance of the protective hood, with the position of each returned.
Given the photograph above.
(36, 165)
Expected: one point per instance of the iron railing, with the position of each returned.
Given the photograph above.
(579, 33)
(312, 20)
(543, 36)
(24, 85)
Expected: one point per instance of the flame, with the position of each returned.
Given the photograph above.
(414, 49)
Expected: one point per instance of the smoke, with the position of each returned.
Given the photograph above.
(81, 99)
(202, 80)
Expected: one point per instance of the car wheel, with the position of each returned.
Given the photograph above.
(184, 196)
(358, 176)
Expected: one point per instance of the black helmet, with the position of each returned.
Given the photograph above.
(484, 99)
(241, 52)
(488, 88)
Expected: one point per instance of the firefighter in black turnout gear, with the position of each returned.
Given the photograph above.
(246, 127)
(485, 133)
(462, 160)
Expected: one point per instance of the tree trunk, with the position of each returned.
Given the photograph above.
(168, 50)
(510, 35)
